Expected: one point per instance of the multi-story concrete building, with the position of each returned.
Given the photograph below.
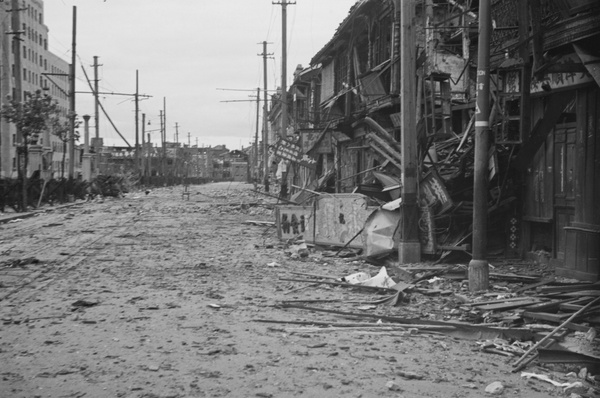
(40, 70)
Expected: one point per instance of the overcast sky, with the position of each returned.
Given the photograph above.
(185, 50)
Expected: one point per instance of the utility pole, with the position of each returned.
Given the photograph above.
(255, 170)
(137, 124)
(409, 248)
(16, 43)
(162, 143)
(18, 96)
(72, 97)
(164, 130)
(96, 99)
(284, 115)
(478, 266)
(176, 162)
(189, 140)
(265, 133)
(149, 157)
(143, 160)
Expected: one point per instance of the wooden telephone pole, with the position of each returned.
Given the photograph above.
(409, 248)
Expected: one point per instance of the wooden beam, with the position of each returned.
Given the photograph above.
(383, 144)
(385, 155)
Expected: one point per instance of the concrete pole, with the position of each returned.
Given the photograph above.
(137, 124)
(163, 145)
(18, 97)
(478, 266)
(96, 99)
(255, 169)
(86, 164)
(284, 110)
(86, 134)
(143, 152)
(164, 130)
(409, 248)
(149, 157)
(265, 122)
(72, 97)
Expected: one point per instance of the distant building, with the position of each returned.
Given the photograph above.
(40, 70)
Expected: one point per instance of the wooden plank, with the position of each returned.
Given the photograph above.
(547, 307)
(497, 301)
(534, 285)
(577, 327)
(583, 293)
(509, 305)
(544, 316)
(569, 288)
(514, 277)
(549, 335)
(385, 145)
(385, 155)
(575, 307)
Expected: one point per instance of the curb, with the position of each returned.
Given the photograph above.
(4, 220)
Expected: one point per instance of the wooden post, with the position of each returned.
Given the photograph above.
(409, 248)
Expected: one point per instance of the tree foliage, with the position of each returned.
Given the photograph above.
(32, 115)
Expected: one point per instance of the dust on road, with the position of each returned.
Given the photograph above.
(158, 296)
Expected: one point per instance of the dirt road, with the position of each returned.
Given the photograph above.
(158, 296)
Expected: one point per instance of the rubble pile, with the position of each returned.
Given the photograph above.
(527, 317)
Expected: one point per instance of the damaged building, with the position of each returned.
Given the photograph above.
(344, 159)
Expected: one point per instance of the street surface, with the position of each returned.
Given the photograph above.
(159, 296)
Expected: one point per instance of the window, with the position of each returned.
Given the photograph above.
(14, 163)
(24, 52)
(14, 140)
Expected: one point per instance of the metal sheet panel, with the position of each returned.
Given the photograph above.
(293, 221)
(339, 218)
